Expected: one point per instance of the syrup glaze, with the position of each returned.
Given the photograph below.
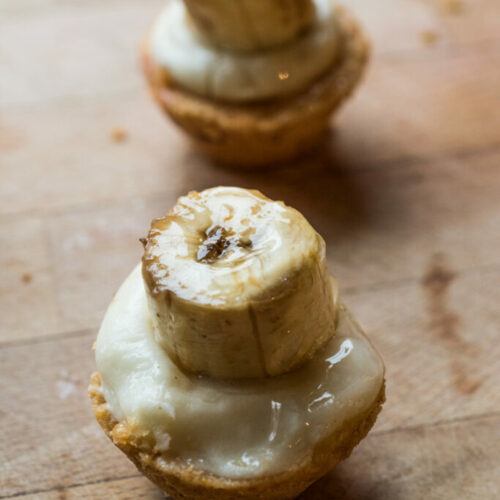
(223, 237)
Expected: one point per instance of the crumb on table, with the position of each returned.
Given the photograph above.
(429, 37)
(26, 278)
(118, 134)
(452, 6)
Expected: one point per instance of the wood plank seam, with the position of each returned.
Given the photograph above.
(70, 486)
(346, 291)
(53, 337)
(438, 423)
(374, 433)
(382, 165)
(396, 283)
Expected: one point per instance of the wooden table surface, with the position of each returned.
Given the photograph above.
(406, 193)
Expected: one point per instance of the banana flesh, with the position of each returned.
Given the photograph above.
(237, 285)
(250, 24)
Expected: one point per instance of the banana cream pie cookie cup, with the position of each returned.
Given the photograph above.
(253, 82)
(228, 368)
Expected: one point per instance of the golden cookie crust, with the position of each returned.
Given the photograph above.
(267, 132)
(182, 481)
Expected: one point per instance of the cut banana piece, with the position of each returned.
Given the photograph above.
(237, 285)
(250, 24)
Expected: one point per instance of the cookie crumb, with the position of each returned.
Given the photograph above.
(429, 37)
(65, 389)
(26, 278)
(118, 134)
(453, 7)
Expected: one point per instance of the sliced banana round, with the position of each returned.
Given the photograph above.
(250, 24)
(237, 284)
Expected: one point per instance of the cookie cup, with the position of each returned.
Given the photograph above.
(268, 132)
(181, 480)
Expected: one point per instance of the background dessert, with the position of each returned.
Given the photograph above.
(259, 77)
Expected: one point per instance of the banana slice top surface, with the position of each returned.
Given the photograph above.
(205, 69)
(250, 25)
(231, 428)
(225, 246)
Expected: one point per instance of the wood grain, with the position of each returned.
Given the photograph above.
(406, 192)
(457, 460)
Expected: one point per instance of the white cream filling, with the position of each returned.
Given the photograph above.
(238, 76)
(234, 429)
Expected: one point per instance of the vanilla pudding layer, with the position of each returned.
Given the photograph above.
(199, 66)
(237, 429)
